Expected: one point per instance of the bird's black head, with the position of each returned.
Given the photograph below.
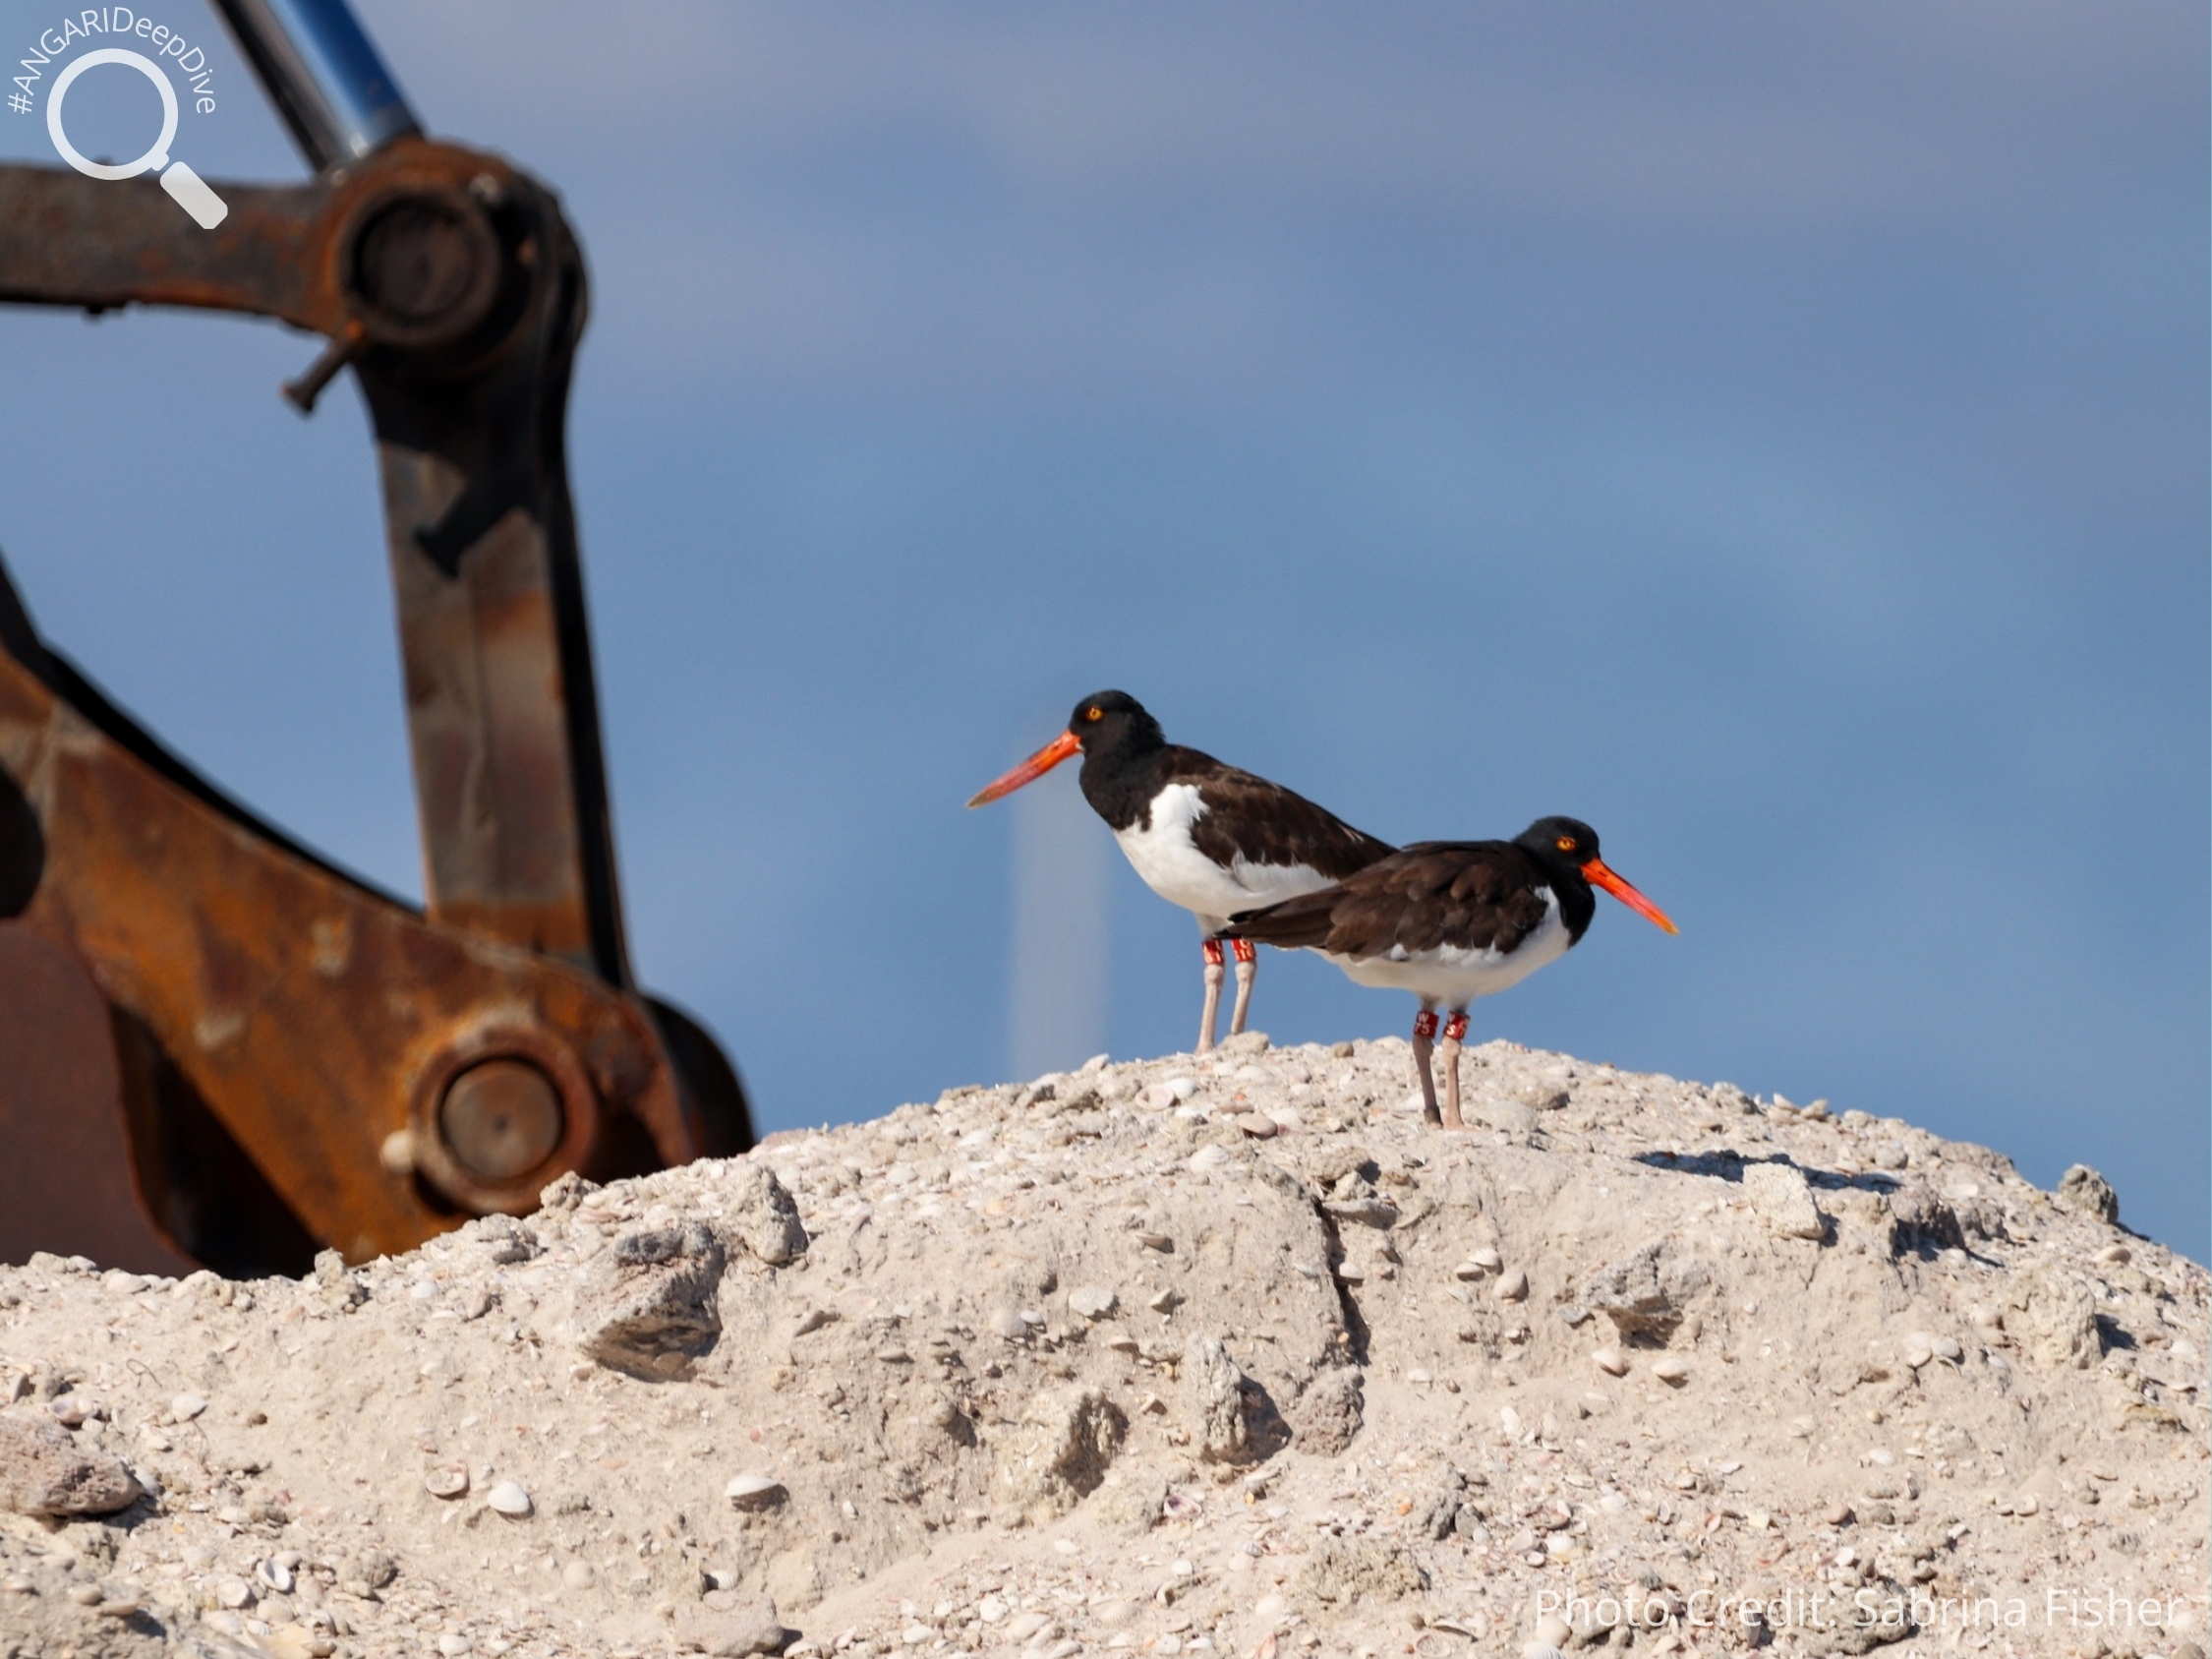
(1567, 849)
(1557, 844)
(1114, 723)
(1110, 729)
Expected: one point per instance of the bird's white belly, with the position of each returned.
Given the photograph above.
(1162, 852)
(1455, 978)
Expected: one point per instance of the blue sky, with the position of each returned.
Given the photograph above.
(1776, 435)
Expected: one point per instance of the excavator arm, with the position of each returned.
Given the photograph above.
(290, 1057)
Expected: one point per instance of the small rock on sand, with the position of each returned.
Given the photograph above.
(1327, 1415)
(760, 1215)
(730, 1624)
(1782, 1198)
(1647, 1294)
(1091, 1301)
(1515, 1117)
(2083, 1188)
(648, 1308)
(1348, 1569)
(43, 1471)
(2057, 1318)
(1132, 1506)
(1214, 1389)
(1067, 1440)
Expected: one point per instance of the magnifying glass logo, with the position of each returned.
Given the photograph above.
(186, 187)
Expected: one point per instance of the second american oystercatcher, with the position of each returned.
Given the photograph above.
(1203, 835)
(1452, 921)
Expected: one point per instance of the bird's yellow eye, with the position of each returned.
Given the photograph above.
(1094, 714)
(1566, 844)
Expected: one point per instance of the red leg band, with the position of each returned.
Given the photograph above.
(1246, 951)
(1425, 1025)
(1213, 952)
(1455, 1027)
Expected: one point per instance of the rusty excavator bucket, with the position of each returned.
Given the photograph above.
(216, 1048)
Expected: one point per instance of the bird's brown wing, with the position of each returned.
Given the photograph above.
(1468, 895)
(1264, 823)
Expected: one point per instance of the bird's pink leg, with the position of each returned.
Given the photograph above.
(1248, 970)
(1213, 997)
(1454, 1029)
(1423, 1042)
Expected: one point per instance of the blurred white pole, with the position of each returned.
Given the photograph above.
(1056, 1004)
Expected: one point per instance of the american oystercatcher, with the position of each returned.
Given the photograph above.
(1452, 921)
(1203, 835)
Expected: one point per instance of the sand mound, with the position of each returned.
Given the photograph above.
(1180, 1356)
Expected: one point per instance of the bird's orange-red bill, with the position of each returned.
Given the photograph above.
(1598, 875)
(1031, 769)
